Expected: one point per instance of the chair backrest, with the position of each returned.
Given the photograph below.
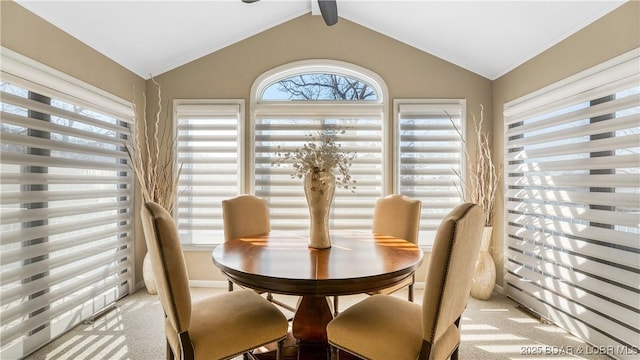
(167, 262)
(245, 215)
(398, 216)
(451, 266)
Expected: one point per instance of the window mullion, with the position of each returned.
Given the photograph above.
(37, 205)
(610, 134)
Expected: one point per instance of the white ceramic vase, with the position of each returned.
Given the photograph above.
(319, 188)
(484, 278)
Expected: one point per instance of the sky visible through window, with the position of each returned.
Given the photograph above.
(320, 86)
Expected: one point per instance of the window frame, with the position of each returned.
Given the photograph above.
(317, 66)
(53, 87)
(447, 105)
(242, 168)
(567, 255)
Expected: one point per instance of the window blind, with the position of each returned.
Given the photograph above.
(209, 140)
(429, 153)
(287, 125)
(67, 201)
(572, 201)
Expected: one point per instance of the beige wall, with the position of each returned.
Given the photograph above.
(610, 36)
(408, 73)
(29, 35)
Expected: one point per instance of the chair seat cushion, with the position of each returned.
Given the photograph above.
(379, 327)
(242, 320)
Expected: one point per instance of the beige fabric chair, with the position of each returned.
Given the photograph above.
(398, 216)
(216, 327)
(386, 327)
(247, 215)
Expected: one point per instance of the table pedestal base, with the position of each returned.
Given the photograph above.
(311, 319)
(308, 337)
(296, 350)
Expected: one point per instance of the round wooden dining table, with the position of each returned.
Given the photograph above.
(282, 263)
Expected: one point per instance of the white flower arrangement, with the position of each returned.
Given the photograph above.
(320, 154)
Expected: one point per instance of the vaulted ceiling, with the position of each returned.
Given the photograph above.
(489, 38)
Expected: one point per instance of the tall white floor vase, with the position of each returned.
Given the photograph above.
(484, 278)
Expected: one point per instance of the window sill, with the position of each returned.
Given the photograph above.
(198, 247)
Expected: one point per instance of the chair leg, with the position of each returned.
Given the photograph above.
(249, 356)
(425, 350)
(230, 286)
(454, 354)
(334, 352)
(335, 306)
(280, 303)
(413, 281)
(280, 350)
(169, 352)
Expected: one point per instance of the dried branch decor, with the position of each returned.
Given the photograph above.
(154, 172)
(482, 174)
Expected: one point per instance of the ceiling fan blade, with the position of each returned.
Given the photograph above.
(329, 11)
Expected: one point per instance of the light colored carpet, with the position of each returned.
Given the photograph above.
(492, 330)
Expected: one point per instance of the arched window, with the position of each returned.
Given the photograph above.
(296, 100)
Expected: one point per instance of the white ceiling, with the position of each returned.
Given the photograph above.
(489, 38)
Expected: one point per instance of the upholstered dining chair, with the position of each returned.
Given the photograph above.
(386, 327)
(398, 216)
(247, 215)
(219, 326)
